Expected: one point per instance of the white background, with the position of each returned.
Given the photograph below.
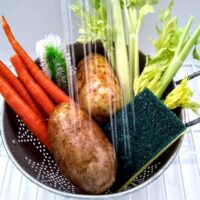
(30, 21)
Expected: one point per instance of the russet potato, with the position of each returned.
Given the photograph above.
(81, 150)
(98, 88)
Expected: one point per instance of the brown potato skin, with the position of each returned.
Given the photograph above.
(81, 150)
(98, 88)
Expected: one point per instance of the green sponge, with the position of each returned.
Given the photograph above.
(140, 132)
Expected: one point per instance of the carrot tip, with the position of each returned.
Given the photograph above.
(3, 18)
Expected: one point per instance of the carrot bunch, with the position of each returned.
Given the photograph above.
(31, 95)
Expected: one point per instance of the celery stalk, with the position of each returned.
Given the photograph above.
(121, 56)
(177, 62)
(183, 37)
(172, 48)
(135, 52)
(135, 12)
(133, 42)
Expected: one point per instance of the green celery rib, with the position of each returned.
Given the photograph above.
(121, 55)
(133, 43)
(183, 37)
(136, 60)
(177, 62)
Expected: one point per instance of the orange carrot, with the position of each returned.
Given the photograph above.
(18, 87)
(33, 88)
(49, 87)
(37, 126)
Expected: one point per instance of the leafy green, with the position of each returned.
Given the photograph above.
(169, 34)
(137, 3)
(165, 47)
(95, 26)
(181, 97)
(153, 71)
(171, 47)
(185, 45)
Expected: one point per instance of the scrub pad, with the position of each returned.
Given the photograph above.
(140, 132)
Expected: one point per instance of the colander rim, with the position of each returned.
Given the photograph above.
(87, 196)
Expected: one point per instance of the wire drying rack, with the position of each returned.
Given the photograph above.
(181, 181)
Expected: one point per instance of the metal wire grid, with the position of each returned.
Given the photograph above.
(181, 181)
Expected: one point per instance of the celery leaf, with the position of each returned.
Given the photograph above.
(95, 25)
(181, 97)
(196, 54)
(153, 71)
